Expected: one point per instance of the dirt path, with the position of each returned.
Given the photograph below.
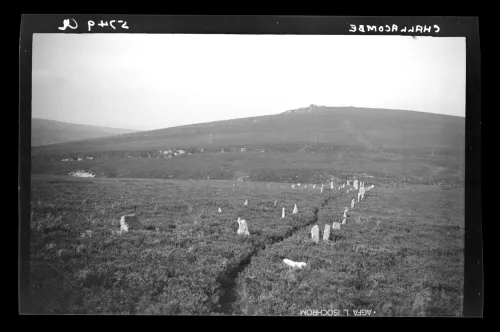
(227, 302)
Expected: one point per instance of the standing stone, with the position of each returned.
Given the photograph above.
(243, 228)
(345, 215)
(352, 203)
(283, 213)
(321, 189)
(326, 233)
(220, 210)
(314, 186)
(331, 185)
(130, 222)
(336, 225)
(275, 203)
(295, 210)
(359, 195)
(315, 233)
(246, 203)
(344, 221)
(356, 184)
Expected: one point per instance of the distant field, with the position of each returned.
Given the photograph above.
(411, 262)
(276, 166)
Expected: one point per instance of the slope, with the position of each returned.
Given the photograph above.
(44, 132)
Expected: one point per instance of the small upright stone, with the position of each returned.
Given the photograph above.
(326, 233)
(243, 228)
(130, 222)
(246, 203)
(336, 225)
(220, 210)
(283, 213)
(295, 210)
(315, 233)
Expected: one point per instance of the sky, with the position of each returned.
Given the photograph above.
(153, 81)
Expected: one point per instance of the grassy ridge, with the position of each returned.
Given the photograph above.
(401, 253)
(45, 132)
(344, 126)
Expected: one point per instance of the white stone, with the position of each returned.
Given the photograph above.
(321, 189)
(352, 203)
(294, 264)
(295, 210)
(344, 221)
(130, 222)
(336, 225)
(243, 228)
(326, 233)
(220, 210)
(315, 233)
(246, 203)
(359, 195)
(283, 213)
(314, 186)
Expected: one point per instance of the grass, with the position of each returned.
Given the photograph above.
(173, 266)
(409, 264)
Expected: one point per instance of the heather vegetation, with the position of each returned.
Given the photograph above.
(399, 252)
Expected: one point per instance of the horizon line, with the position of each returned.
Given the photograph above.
(247, 117)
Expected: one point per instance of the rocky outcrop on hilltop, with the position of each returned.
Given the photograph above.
(306, 109)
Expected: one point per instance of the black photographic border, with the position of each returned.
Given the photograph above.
(467, 27)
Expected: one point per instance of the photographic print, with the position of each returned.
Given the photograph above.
(254, 174)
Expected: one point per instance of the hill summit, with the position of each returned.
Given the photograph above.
(306, 109)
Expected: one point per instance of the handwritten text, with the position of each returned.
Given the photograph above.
(73, 24)
(394, 28)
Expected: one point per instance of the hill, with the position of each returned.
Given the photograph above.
(299, 144)
(340, 126)
(45, 132)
